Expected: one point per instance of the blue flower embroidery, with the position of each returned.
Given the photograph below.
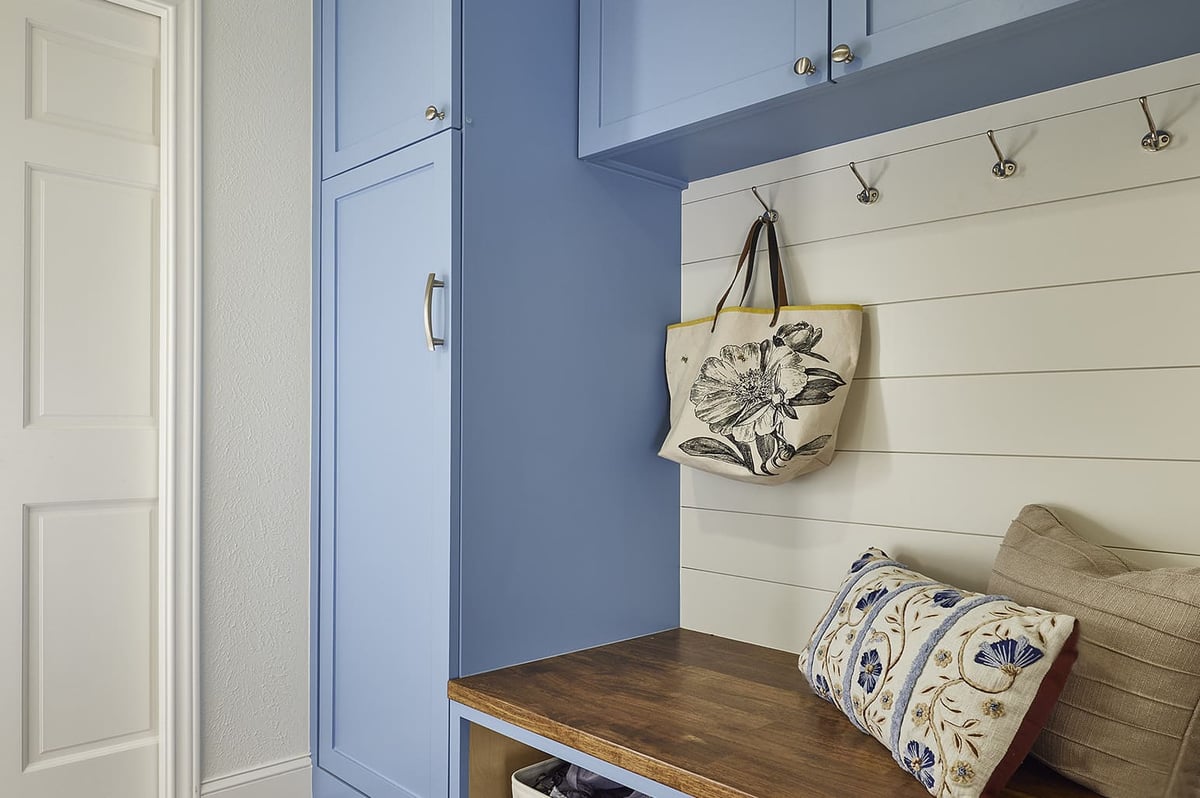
(870, 669)
(947, 598)
(1009, 655)
(868, 601)
(861, 561)
(919, 761)
(821, 686)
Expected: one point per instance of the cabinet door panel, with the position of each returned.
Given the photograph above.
(384, 624)
(383, 63)
(879, 31)
(646, 68)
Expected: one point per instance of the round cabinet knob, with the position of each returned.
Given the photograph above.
(432, 113)
(842, 54)
(805, 66)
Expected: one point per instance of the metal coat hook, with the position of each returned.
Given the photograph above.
(1156, 139)
(869, 195)
(769, 215)
(1003, 167)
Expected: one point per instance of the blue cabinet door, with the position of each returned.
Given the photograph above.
(383, 63)
(879, 31)
(649, 67)
(384, 622)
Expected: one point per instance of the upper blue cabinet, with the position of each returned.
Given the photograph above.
(679, 90)
(649, 67)
(868, 33)
(389, 75)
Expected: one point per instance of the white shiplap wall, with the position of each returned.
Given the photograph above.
(1035, 339)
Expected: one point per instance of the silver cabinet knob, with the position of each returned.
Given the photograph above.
(432, 113)
(805, 66)
(842, 54)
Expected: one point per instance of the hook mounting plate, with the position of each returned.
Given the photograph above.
(1156, 140)
(868, 196)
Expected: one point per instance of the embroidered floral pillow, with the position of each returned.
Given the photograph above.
(957, 685)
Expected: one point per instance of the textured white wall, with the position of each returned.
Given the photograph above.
(257, 88)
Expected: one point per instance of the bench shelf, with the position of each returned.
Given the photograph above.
(700, 715)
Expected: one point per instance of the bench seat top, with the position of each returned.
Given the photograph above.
(709, 716)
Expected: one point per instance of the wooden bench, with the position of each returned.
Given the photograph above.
(708, 716)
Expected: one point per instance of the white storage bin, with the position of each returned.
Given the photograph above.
(523, 779)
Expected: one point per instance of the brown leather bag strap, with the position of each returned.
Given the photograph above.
(746, 259)
(778, 283)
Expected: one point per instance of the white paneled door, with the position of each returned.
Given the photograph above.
(80, 113)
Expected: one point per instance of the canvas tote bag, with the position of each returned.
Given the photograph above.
(757, 393)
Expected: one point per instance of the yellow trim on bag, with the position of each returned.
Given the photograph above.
(768, 311)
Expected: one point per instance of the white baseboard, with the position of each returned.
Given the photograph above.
(291, 778)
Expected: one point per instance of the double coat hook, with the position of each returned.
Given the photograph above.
(869, 194)
(769, 215)
(1156, 139)
(1003, 167)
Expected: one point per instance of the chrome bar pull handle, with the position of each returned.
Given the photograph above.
(431, 283)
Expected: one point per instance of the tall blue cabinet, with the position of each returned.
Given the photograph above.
(386, 436)
(488, 355)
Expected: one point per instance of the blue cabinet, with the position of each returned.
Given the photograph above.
(385, 481)
(464, 491)
(646, 68)
(875, 32)
(383, 64)
(679, 91)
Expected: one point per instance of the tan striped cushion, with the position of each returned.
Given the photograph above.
(1128, 721)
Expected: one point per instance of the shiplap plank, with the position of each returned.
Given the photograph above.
(1110, 414)
(1151, 80)
(1068, 156)
(1129, 324)
(1081, 240)
(817, 554)
(1117, 325)
(1088, 239)
(766, 613)
(1128, 504)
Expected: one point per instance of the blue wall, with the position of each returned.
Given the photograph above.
(570, 523)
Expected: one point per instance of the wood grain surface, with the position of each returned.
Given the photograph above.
(709, 716)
